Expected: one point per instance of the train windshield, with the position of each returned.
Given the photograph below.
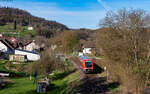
(88, 64)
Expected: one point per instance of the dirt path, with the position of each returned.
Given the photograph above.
(90, 83)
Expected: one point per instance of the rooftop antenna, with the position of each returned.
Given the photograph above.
(104, 5)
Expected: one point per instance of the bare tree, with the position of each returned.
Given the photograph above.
(126, 47)
(67, 42)
(48, 63)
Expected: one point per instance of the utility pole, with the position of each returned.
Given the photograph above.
(107, 73)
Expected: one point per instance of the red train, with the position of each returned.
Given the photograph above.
(87, 64)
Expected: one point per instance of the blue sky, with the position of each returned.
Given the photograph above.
(74, 13)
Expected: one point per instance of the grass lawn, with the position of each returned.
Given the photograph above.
(62, 82)
(65, 84)
(20, 86)
(2, 64)
(6, 28)
(21, 30)
(25, 86)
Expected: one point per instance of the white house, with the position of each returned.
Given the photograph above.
(88, 46)
(80, 54)
(3, 47)
(87, 50)
(30, 28)
(31, 46)
(31, 56)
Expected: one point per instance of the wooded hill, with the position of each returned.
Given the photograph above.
(23, 18)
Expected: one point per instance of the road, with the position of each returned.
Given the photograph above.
(91, 83)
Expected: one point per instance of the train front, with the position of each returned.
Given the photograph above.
(87, 65)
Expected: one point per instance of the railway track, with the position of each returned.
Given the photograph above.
(90, 83)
